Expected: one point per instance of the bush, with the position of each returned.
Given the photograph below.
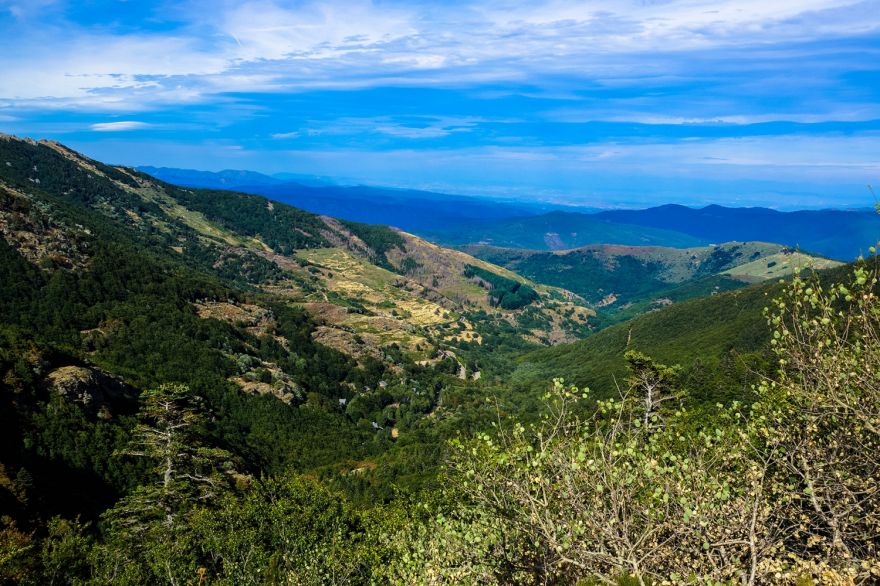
(647, 489)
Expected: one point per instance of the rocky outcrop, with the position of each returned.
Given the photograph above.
(89, 387)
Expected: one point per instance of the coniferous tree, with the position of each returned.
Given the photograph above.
(150, 537)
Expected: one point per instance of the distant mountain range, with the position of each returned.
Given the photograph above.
(558, 231)
(230, 178)
(412, 210)
(834, 233)
(460, 220)
(841, 235)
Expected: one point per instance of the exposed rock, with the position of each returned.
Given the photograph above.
(37, 236)
(89, 387)
(256, 320)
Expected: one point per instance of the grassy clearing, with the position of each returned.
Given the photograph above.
(779, 265)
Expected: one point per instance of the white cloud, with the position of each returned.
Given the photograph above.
(314, 30)
(852, 113)
(28, 8)
(832, 160)
(121, 126)
(411, 127)
(264, 46)
(103, 70)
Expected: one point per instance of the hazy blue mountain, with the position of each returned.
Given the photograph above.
(228, 179)
(304, 179)
(837, 234)
(458, 220)
(834, 233)
(406, 209)
(559, 230)
(411, 210)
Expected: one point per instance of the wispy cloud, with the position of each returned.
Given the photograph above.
(120, 126)
(270, 46)
(853, 113)
(408, 127)
(473, 91)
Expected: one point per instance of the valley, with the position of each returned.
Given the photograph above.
(297, 326)
(477, 293)
(323, 360)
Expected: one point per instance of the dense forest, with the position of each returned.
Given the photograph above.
(176, 408)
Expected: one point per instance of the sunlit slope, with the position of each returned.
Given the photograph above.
(632, 279)
(721, 341)
(369, 285)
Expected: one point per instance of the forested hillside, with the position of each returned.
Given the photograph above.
(203, 386)
(624, 281)
(313, 345)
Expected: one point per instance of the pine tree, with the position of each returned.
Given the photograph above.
(150, 537)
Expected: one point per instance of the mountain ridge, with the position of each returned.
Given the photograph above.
(622, 281)
(410, 209)
(257, 227)
(323, 346)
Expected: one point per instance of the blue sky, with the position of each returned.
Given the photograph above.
(602, 103)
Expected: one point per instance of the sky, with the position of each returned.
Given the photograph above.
(605, 103)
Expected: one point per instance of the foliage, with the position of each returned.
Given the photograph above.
(785, 491)
(570, 499)
(184, 470)
(818, 421)
(380, 239)
(286, 531)
(149, 532)
(503, 292)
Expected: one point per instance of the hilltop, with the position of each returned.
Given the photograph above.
(622, 281)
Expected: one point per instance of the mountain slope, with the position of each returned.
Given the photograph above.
(321, 345)
(640, 278)
(722, 341)
(255, 242)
